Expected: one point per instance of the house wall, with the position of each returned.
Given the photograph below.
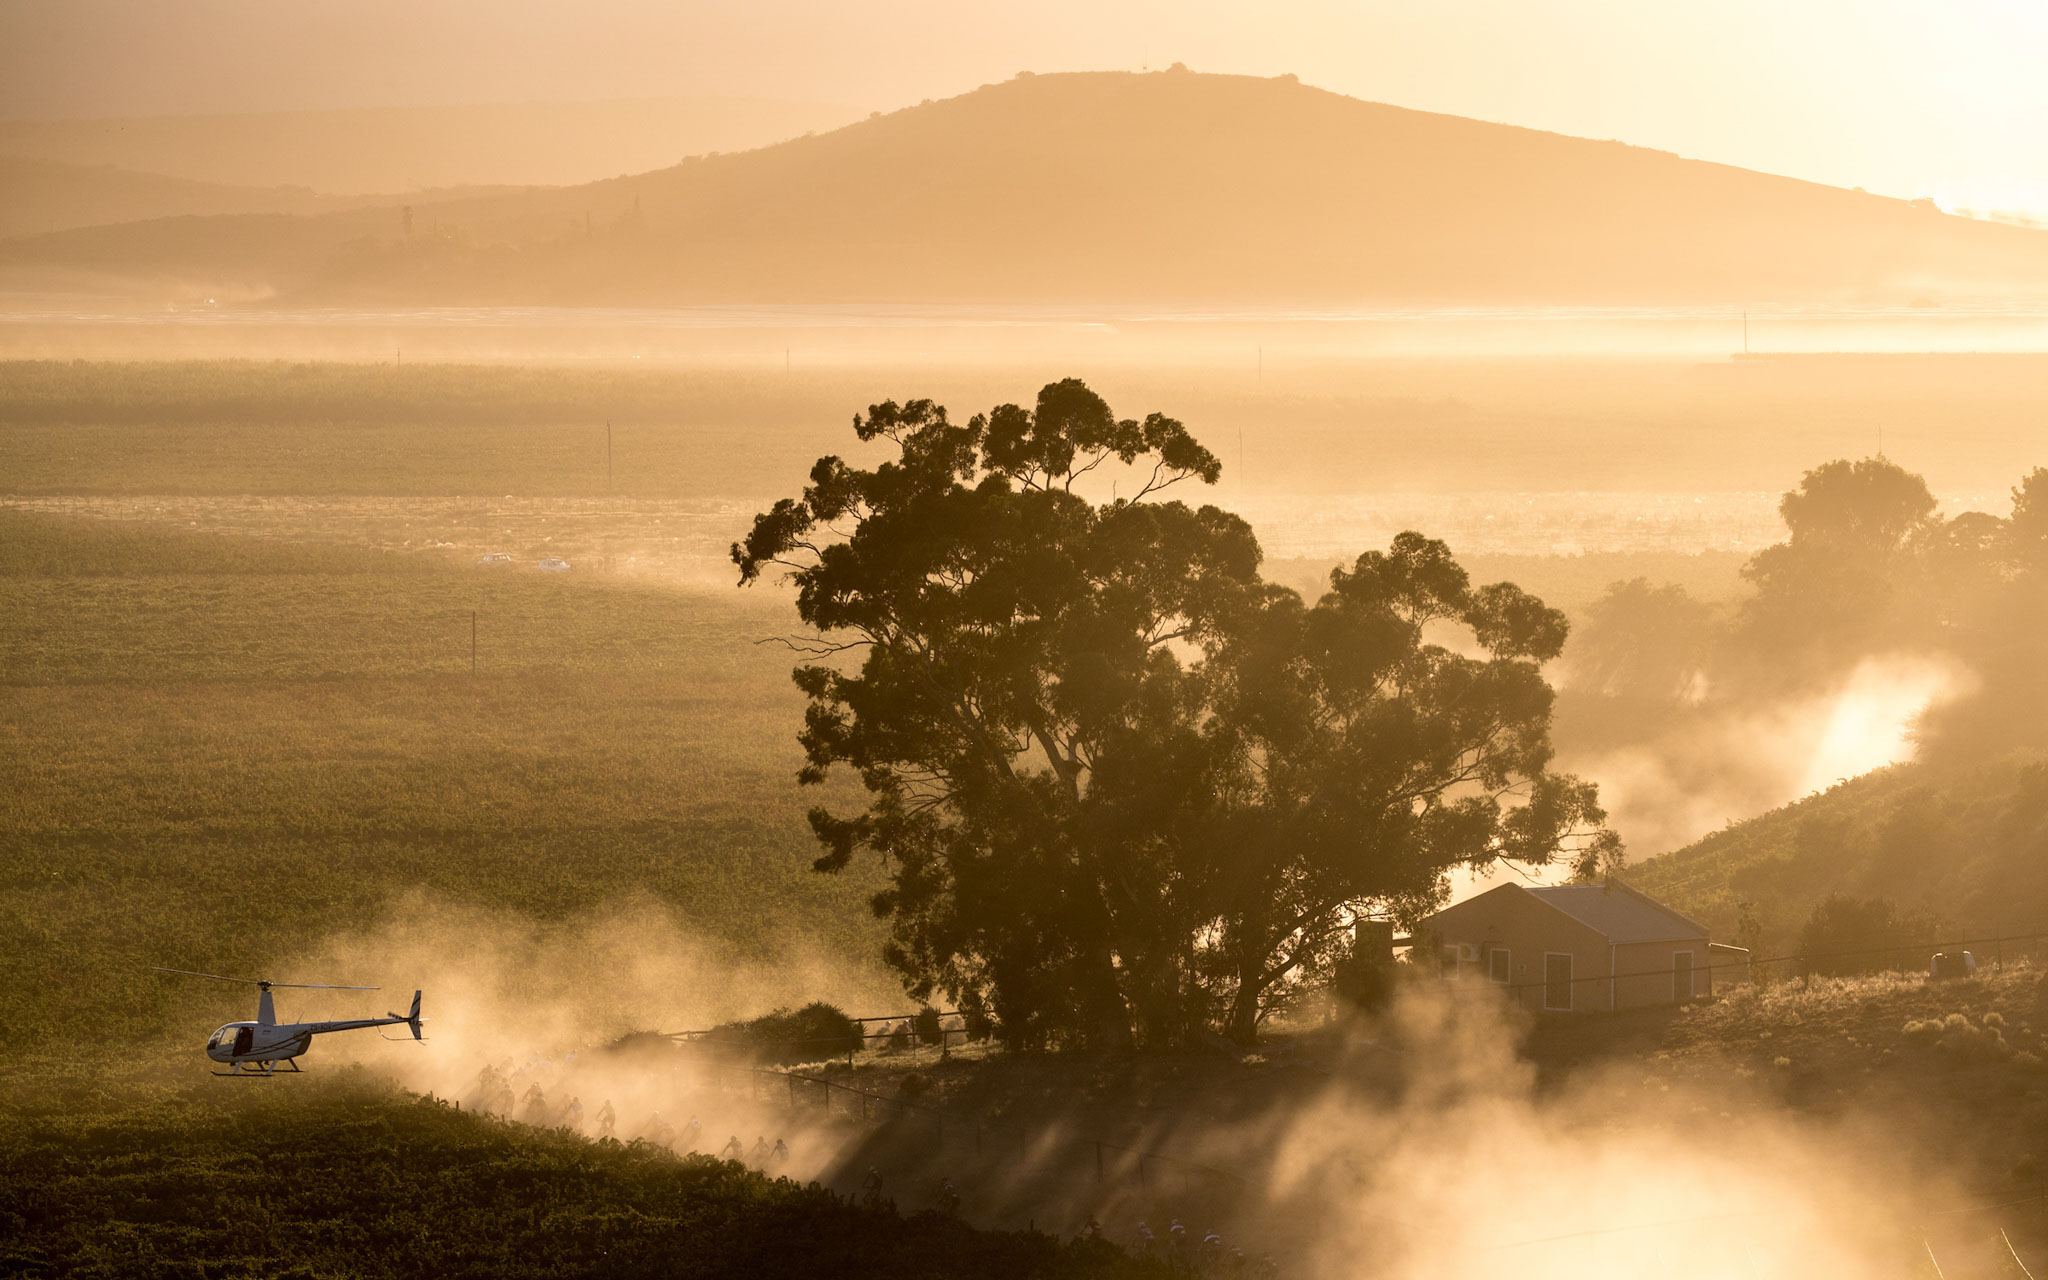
(1509, 918)
(1644, 976)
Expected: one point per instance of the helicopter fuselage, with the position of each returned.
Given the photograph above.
(278, 1041)
(257, 1047)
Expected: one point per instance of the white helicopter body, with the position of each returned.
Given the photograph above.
(255, 1048)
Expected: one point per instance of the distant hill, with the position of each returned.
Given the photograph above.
(1171, 188)
(1967, 841)
(48, 195)
(387, 149)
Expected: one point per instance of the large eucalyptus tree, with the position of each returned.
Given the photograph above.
(1123, 786)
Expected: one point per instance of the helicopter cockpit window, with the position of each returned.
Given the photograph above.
(217, 1036)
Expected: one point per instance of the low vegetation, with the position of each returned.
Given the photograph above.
(349, 1177)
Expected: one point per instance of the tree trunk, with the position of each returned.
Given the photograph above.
(1243, 1026)
(1108, 1014)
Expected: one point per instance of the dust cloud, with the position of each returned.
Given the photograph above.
(1421, 1144)
(1475, 1172)
(1732, 761)
(520, 1016)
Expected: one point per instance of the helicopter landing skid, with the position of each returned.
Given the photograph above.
(238, 1073)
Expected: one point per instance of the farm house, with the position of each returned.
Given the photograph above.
(1579, 948)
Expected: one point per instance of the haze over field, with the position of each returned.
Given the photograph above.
(945, 647)
(372, 151)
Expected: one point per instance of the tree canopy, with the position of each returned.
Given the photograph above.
(1124, 787)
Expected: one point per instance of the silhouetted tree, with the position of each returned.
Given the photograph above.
(1121, 784)
(2029, 523)
(1826, 590)
(1642, 643)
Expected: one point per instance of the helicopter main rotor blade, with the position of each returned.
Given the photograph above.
(194, 973)
(262, 982)
(322, 986)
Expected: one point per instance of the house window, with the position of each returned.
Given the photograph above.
(1557, 980)
(1498, 966)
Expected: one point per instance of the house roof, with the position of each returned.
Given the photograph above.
(1619, 912)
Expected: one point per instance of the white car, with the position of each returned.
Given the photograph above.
(494, 559)
(554, 564)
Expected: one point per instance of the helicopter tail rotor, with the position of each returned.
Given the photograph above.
(412, 1018)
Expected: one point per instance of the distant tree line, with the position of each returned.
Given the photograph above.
(1126, 790)
(1869, 567)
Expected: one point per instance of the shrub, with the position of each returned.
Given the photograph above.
(913, 1086)
(1847, 936)
(1994, 1019)
(814, 1032)
(929, 1030)
(975, 1014)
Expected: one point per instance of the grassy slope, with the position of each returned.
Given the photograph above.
(1965, 839)
(198, 728)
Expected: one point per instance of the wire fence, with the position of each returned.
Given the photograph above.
(954, 1129)
(1909, 957)
(1153, 1170)
(1988, 1202)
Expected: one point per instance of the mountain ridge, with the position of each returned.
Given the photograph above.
(1170, 187)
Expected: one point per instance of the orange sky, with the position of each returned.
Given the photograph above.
(1928, 97)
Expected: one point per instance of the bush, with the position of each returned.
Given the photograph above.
(810, 1034)
(975, 1014)
(1846, 936)
(929, 1030)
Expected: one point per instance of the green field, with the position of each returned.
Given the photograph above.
(284, 739)
(1419, 427)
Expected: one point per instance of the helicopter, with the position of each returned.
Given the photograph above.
(255, 1048)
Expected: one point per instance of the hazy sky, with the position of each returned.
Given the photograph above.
(1908, 97)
